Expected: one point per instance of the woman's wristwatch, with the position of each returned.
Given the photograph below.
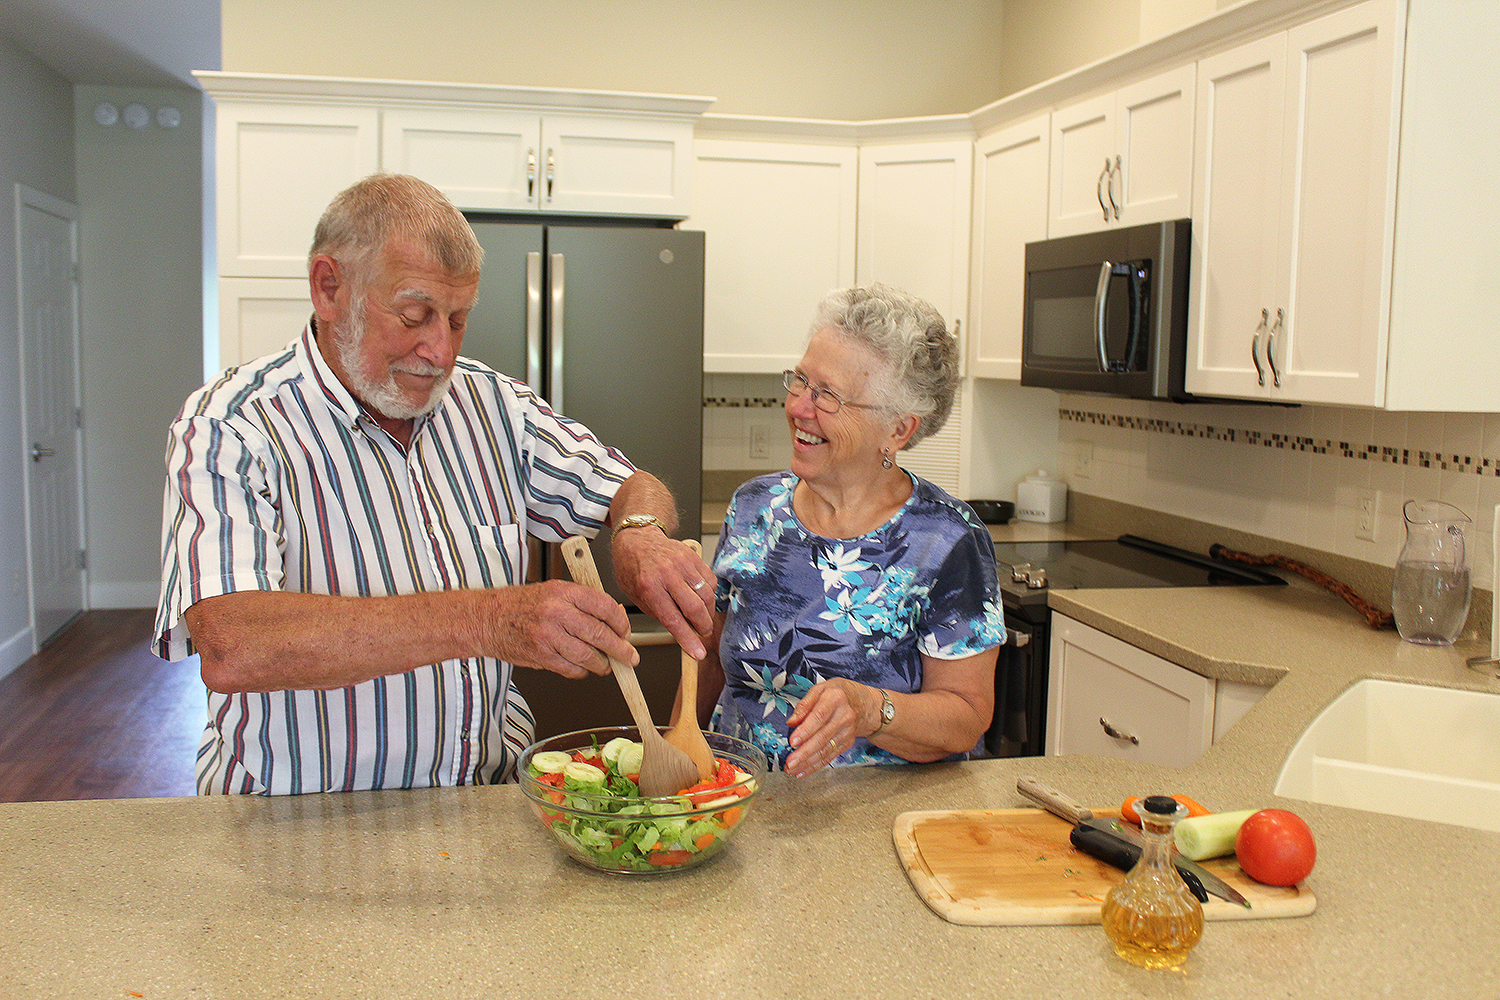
(887, 712)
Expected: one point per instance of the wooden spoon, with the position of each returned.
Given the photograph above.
(685, 734)
(665, 770)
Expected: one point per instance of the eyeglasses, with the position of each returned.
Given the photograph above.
(824, 399)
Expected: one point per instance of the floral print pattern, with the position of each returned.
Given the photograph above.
(801, 608)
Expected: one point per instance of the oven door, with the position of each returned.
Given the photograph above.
(1020, 691)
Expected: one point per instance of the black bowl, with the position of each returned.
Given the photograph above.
(993, 511)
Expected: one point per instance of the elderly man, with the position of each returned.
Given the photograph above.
(345, 525)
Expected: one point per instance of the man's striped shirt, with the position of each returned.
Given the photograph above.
(277, 479)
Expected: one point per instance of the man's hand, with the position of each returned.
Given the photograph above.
(669, 582)
(562, 627)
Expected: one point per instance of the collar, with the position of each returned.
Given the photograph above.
(341, 402)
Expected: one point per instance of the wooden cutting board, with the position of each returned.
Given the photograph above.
(1016, 866)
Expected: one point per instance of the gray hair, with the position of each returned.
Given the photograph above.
(912, 341)
(370, 214)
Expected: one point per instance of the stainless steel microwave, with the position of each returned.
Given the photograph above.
(1107, 312)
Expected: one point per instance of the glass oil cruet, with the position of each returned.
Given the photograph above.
(1151, 917)
(1431, 588)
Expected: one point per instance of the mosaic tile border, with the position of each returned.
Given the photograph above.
(744, 402)
(1442, 461)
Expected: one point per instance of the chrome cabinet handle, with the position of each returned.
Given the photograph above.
(1271, 349)
(38, 453)
(1260, 374)
(1099, 189)
(1114, 733)
(530, 174)
(1115, 172)
(551, 173)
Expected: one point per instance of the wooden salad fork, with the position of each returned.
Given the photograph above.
(665, 769)
(685, 734)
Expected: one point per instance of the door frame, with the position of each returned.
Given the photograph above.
(29, 197)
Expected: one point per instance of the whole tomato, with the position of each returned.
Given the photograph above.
(1275, 846)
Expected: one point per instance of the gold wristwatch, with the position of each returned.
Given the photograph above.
(639, 521)
(887, 712)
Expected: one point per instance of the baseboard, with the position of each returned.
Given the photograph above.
(16, 650)
(126, 594)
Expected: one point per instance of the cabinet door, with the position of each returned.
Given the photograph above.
(613, 166)
(278, 167)
(1234, 274)
(1083, 152)
(1154, 139)
(480, 159)
(1337, 209)
(914, 210)
(1010, 210)
(259, 315)
(779, 220)
(1109, 698)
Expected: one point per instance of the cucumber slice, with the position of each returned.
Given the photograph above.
(611, 751)
(1211, 836)
(550, 762)
(629, 759)
(581, 777)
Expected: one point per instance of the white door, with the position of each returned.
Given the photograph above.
(47, 255)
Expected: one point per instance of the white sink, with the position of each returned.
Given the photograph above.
(1403, 750)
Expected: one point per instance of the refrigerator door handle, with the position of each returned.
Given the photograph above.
(534, 320)
(555, 381)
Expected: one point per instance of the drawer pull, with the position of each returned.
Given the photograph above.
(1114, 733)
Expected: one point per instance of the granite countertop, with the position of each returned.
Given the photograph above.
(456, 893)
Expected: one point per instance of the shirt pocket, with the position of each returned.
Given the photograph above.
(497, 557)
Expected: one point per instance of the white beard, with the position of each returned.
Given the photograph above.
(383, 396)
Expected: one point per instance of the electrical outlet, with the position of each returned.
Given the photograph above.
(1364, 520)
(1083, 459)
(759, 446)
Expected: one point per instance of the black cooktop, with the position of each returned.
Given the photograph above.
(1128, 561)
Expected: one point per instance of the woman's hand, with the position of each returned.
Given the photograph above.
(825, 723)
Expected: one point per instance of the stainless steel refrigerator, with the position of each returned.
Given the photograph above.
(606, 322)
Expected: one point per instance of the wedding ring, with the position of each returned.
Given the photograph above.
(698, 585)
(833, 744)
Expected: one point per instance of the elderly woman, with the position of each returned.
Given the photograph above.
(858, 620)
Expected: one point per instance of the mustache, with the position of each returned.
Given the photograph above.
(423, 370)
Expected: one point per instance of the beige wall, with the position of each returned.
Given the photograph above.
(141, 323)
(835, 59)
(36, 149)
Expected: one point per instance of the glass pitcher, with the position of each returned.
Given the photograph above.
(1431, 590)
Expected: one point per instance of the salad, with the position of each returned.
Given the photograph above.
(601, 817)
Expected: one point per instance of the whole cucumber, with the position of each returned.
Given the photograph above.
(1211, 836)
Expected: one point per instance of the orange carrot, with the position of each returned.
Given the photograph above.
(1194, 808)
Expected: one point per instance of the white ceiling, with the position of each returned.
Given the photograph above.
(150, 43)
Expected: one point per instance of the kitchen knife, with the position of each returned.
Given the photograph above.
(1190, 871)
(1113, 849)
(1111, 843)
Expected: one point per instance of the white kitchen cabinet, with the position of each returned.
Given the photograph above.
(1109, 698)
(915, 204)
(1293, 210)
(1124, 158)
(779, 222)
(500, 160)
(260, 315)
(1010, 210)
(278, 166)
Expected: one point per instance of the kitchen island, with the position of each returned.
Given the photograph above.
(457, 893)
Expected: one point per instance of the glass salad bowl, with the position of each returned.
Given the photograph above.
(579, 786)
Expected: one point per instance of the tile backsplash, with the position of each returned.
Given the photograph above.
(744, 426)
(1295, 474)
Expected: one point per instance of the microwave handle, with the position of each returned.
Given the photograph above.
(1101, 298)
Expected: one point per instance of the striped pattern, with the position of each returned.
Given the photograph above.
(278, 480)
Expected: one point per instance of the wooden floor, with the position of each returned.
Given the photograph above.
(95, 715)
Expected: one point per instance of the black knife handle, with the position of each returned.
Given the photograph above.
(1122, 855)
